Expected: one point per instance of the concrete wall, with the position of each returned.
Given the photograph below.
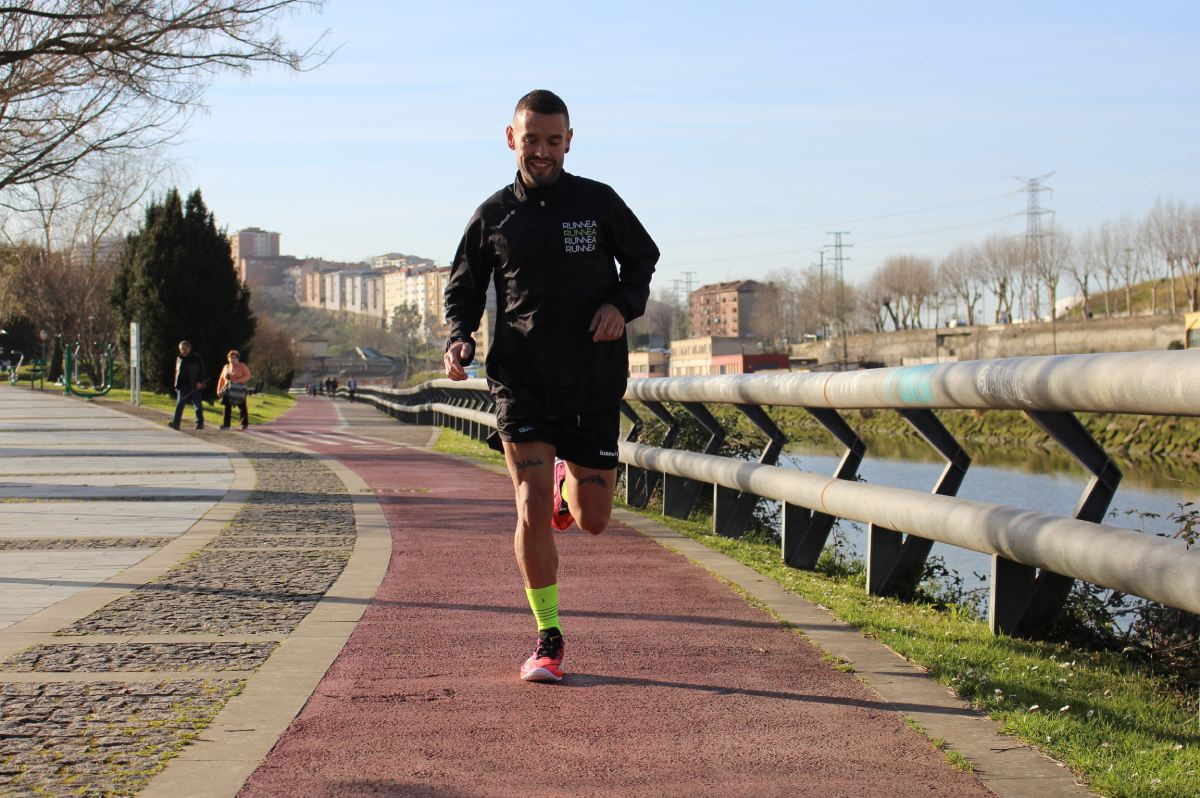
(1138, 333)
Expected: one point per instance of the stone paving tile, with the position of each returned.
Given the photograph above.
(262, 574)
(100, 518)
(234, 592)
(103, 657)
(98, 739)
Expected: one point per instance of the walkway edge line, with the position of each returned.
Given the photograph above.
(222, 758)
(1005, 765)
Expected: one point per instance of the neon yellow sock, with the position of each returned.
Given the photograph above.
(544, 603)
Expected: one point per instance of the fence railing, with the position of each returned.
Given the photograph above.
(1036, 557)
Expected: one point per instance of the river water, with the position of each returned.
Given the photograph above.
(1049, 482)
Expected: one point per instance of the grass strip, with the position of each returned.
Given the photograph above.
(1126, 732)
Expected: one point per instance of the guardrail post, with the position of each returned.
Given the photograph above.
(803, 531)
(640, 484)
(482, 401)
(733, 510)
(636, 494)
(426, 416)
(894, 561)
(1022, 597)
(679, 493)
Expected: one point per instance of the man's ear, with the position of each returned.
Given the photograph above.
(570, 133)
(512, 139)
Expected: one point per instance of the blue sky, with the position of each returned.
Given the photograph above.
(740, 133)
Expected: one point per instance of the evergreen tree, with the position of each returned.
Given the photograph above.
(176, 278)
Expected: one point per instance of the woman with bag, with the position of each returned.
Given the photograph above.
(231, 387)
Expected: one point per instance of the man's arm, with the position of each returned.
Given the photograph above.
(637, 254)
(466, 293)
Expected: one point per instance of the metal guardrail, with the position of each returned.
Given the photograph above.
(1035, 556)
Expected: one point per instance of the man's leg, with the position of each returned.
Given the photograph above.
(181, 399)
(531, 466)
(198, 401)
(589, 494)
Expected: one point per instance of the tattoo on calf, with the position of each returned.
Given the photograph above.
(594, 479)
(524, 464)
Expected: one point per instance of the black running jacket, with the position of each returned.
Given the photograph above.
(552, 252)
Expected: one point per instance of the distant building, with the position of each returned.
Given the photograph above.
(646, 364)
(396, 260)
(696, 357)
(311, 346)
(748, 364)
(254, 243)
(265, 272)
(725, 309)
(256, 258)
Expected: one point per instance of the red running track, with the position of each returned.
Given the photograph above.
(675, 685)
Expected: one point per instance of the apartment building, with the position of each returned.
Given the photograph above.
(253, 242)
(421, 287)
(724, 309)
(257, 260)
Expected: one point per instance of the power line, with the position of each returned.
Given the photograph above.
(799, 228)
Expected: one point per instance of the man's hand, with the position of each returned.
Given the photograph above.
(458, 352)
(607, 323)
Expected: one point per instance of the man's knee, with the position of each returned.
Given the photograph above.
(534, 506)
(593, 519)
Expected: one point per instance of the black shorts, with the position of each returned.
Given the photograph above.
(589, 440)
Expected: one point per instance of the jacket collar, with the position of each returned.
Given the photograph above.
(550, 192)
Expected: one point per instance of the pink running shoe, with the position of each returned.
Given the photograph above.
(561, 518)
(545, 664)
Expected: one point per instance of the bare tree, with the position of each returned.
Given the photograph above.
(909, 283)
(1083, 266)
(1125, 248)
(73, 231)
(1166, 234)
(959, 272)
(1000, 260)
(880, 302)
(90, 77)
(275, 361)
(1054, 250)
(788, 308)
(657, 324)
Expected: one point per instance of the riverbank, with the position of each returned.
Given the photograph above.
(1155, 444)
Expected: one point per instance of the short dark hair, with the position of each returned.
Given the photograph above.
(542, 101)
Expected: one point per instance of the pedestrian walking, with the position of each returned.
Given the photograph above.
(351, 387)
(232, 388)
(190, 379)
(551, 242)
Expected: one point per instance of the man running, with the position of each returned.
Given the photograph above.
(551, 242)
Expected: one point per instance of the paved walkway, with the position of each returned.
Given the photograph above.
(83, 498)
(358, 595)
